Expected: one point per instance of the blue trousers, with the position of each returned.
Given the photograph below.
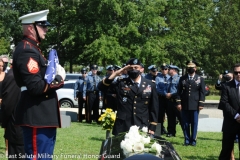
(190, 122)
(39, 143)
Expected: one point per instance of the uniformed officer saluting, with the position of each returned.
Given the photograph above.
(37, 111)
(136, 97)
(93, 95)
(78, 86)
(190, 100)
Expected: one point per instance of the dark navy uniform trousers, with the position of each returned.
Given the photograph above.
(34, 138)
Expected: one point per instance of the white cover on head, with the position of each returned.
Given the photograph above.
(33, 17)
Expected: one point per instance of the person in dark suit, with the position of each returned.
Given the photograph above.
(136, 96)
(190, 100)
(230, 102)
(11, 94)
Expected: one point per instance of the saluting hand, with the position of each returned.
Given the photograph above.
(118, 72)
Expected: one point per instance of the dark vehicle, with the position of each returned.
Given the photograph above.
(207, 90)
(111, 150)
(71, 76)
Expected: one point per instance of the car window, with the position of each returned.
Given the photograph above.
(69, 85)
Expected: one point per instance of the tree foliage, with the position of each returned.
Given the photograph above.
(111, 31)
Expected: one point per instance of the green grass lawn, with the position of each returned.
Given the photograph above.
(212, 97)
(82, 140)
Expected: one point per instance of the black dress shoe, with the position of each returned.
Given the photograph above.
(193, 144)
(164, 131)
(186, 144)
(170, 135)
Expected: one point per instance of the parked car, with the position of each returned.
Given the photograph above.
(207, 90)
(66, 95)
(71, 76)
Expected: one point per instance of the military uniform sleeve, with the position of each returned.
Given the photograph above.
(179, 91)
(154, 109)
(202, 93)
(104, 84)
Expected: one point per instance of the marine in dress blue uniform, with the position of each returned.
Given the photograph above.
(190, 100)
(171, 110)
(153, 73)
(162, 84)
(38, 108)
(136, 96)
(78, 92)
(92, 95)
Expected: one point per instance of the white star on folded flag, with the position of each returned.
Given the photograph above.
(52, 65)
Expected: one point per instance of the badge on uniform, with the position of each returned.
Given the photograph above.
(124, 99)
(148, 89)
(32, 66)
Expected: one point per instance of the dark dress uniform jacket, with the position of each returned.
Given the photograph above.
(35, 108)
(191, 92)
(10, 97)
(135, 106)
(230, 103)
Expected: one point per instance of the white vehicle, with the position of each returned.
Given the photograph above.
(66, 95)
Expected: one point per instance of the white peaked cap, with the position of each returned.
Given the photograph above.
(34, 17)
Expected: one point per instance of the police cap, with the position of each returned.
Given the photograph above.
(173, 67)
(117, 67)
(226, 72)
(38, 18)
(191, 63)
(123, 65)
(164, 66)
(83, 70)
(153, 68)
(95, 67)
(133, 61)
(142, 65)
(110, 68)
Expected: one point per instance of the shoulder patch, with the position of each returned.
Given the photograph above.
(32, 66)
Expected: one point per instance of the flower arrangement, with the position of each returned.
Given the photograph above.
(139, 142)
(107, 119)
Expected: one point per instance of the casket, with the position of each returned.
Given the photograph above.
(111, 150)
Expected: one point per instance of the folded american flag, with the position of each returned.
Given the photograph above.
(52, 66)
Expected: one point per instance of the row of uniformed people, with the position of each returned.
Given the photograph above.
(166, 83)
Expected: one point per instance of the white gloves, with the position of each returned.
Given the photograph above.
(61, 71)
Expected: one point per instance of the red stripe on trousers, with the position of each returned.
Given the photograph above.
(34, 141)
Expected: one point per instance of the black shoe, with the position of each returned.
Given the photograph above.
(163, 131)
(170, 135)
(186, 144)
(193, 144)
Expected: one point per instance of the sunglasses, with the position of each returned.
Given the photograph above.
(236, 73)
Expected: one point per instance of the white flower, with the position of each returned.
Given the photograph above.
(145, 140)
(157, 147)
(145, 129)
(138, 147)
(134, 129)
(126, 146)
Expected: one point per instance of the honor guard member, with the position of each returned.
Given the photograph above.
(190, 101)
(93, 95)
(153, 73)
(111, 101)
(78, 92)
(171, 110)
(38, 108)
(136, 96)
(162, 84)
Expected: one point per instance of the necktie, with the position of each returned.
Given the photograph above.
(135, 85)
(165, 79)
